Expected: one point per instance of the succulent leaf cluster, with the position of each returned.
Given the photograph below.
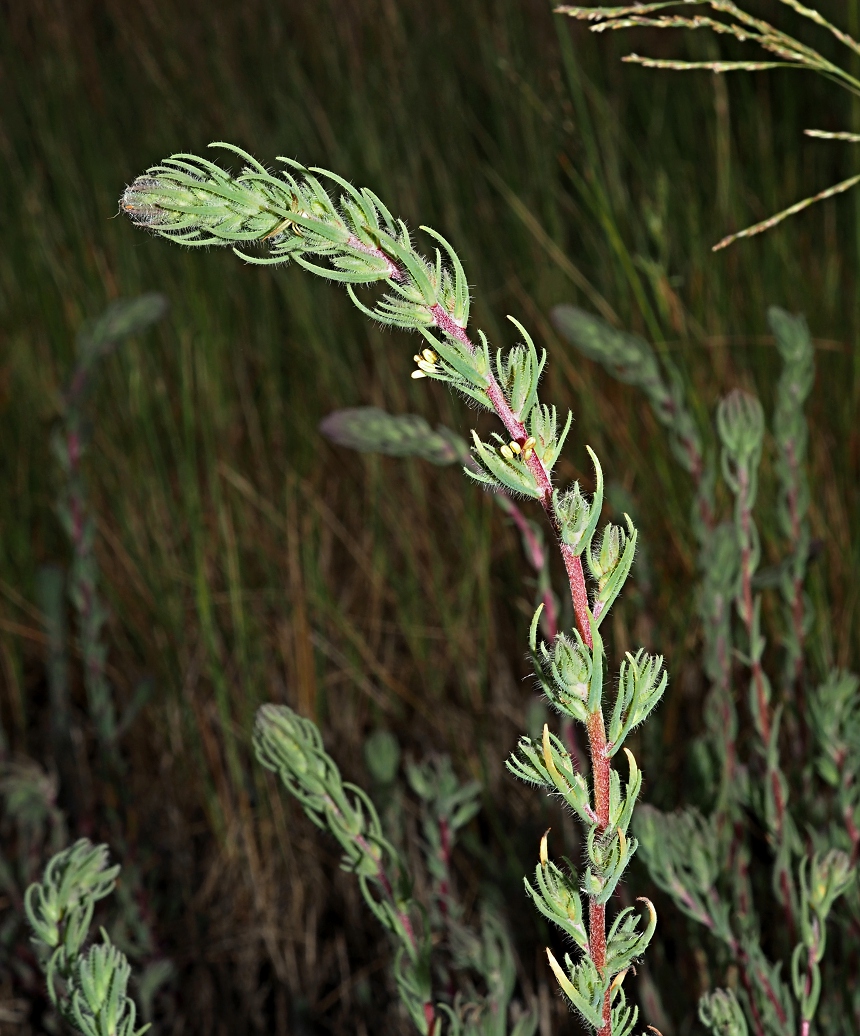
(292, 747)
(371, 430)
(88, 986)
(578, 516)
(487, 952)
(449, 806)
(722, 1014)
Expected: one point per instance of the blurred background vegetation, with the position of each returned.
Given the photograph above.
(246, 559)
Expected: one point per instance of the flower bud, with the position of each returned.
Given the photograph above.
(740, 422)
(721, 1012)
(573, 512)
(198, 208)
(605, 559)
(292, 747)
(571, 667)
(831, 875)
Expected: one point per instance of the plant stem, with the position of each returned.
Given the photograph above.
(444, 890)
(518, 432)
(600, 766)
(762, 710)
(796, 601)
(600, 761)
(395, 273)
(853, 833)
(402, 915)
(762, 717)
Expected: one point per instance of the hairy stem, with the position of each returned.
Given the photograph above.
(394, 271)
(600, 766)
(402, 916)
(600, 761)
(518, 432)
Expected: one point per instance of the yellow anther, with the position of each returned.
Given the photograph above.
(514, 445)
(544, 854)
(429, 356)
(418, 374)
(430, 368)
(506, 452)
(416, 358)
(622, 842)
(530, 443)
(527, 453)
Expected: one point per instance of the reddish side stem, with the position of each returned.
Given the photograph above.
(796, 603)
(763, 709)
(403, 917)
(746, 577)
(445, 859)
(853, 834)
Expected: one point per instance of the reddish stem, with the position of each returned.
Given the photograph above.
(853, 834)
(579, 595)
(600, 764)
(518, 432)
(403, 917)
(394, 271)
(445, 858)
(534, 548)
(748, 610)
(763, 710)
(384, 881)
(770, 992)
(600, 768)
(764, 981)
(747, 984)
